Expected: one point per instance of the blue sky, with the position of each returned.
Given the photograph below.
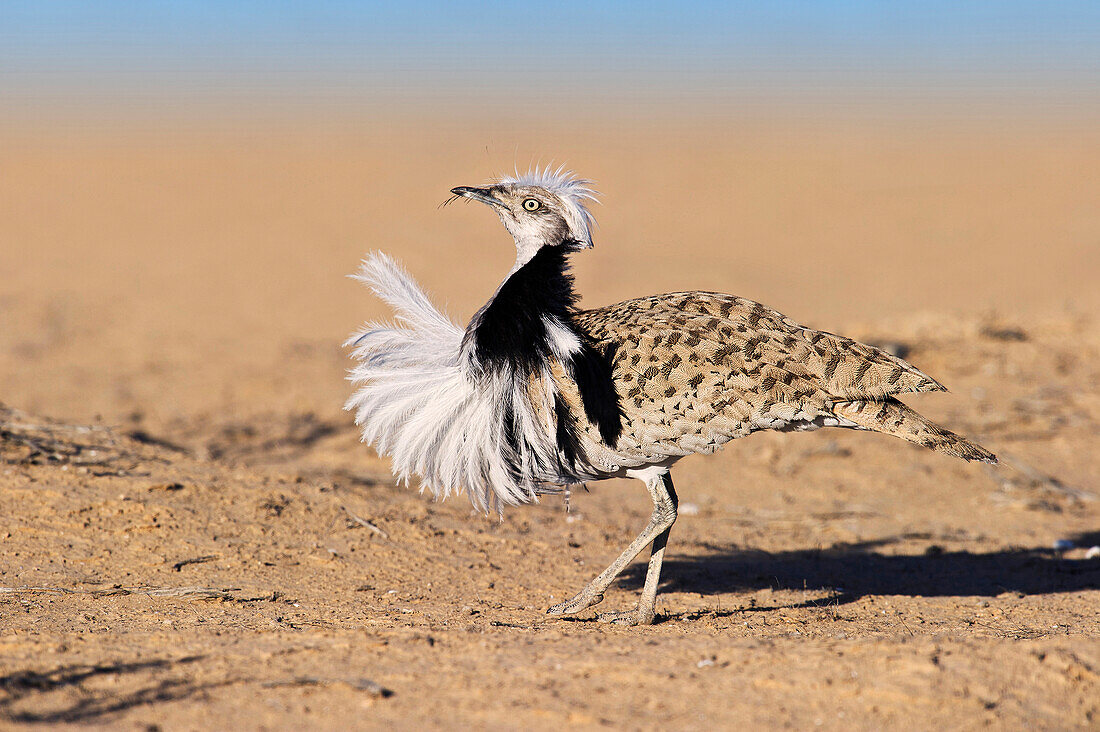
(364, 45)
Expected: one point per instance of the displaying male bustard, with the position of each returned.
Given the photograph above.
(535, 394)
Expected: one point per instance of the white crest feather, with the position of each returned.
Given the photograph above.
(573, 192)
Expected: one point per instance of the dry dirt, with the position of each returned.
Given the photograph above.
(193, 537)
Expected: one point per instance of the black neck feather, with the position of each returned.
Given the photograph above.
(511, 328)
(510, 333)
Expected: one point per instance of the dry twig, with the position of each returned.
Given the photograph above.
(363, 522)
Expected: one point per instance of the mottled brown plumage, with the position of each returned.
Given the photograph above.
(694, 370)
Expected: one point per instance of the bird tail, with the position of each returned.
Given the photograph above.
(892, 417)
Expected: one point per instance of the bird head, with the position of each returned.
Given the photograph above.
(540, 208)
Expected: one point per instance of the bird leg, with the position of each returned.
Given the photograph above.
(655, 532)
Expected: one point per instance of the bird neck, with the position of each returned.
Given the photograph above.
(529, 319)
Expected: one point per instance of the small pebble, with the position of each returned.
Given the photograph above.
(1093, 552)
(1063, 545)
(688, 509)
(373, 688)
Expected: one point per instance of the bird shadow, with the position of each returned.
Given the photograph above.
(852, 571)
(59, 695)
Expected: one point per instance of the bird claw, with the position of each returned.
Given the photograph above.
(575, 605)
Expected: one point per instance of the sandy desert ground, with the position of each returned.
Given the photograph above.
(193, 537)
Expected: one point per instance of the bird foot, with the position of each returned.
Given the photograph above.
(582, 601)
(627, 617)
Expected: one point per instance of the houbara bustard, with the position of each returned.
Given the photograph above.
(536, 395)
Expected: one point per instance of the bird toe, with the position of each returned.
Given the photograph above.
(625, 617)
(575, 605)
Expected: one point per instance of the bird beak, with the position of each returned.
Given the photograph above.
(477, 194)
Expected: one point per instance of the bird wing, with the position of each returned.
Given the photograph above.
(693, 370)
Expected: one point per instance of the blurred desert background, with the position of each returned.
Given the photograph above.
(193, 536)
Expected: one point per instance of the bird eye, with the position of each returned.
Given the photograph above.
(531, 204)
